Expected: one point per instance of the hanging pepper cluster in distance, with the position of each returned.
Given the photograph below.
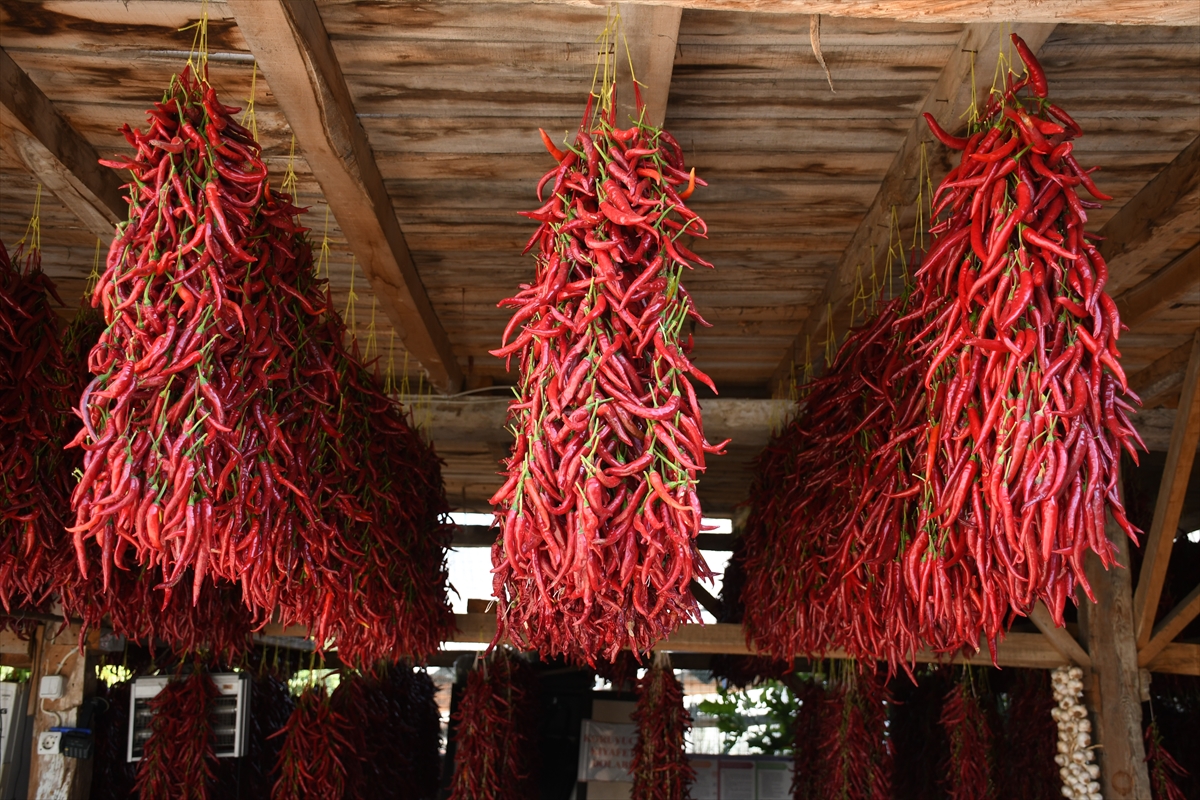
(660, 766)
(959, 458)
(968, 771)
(496, 732)
(35, 475)
(599, 511)
(178, 759)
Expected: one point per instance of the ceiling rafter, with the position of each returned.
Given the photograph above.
(1103, 12)
(1167, 508)
(651, 33)
(947, 100)
(56, 154)
(293, 50)
(1161, 289)
(1153, 220)
(1171, 626)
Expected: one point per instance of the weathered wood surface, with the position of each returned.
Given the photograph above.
(1108, 629)
(1060, 638)
(1171, 626)
(38, 135)
(863, 259)
(647, 46)
(291, 44)
(1171, 493)
(1124, 12)
(58, 777)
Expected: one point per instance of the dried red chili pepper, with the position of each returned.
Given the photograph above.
(959, 456)
(599, 508)
(495, 732)
(660, 766)
(178, 759)
(312, 759)
(1162, 766)
(967, 775)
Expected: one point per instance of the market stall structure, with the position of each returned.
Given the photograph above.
(412, 132)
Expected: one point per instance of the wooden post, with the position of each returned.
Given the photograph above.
(58, 777)
(1114, 689)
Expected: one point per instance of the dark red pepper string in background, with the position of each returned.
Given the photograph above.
(316, 742)
(959, 457)
(806, 732)
(660, 766)
(1162, 766)
(495, 731)
(229, 436)
(854, 753)
(35, 384)
(967, 773)
(178, 759)
(598, 511)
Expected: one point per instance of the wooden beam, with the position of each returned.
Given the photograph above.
(59, 654)
(1099, 12)
(1163, 377)
(711, 604)
(651, 33)
(1153, 220)
(1115, 696)
(55, 153)
(294, 52)
(1170, 627)
(1060, 638)
(950, 95)
(1161, 289)
(1177, 659)
(1171, 493)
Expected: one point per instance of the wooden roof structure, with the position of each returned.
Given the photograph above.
(411, 128)
(416, 145)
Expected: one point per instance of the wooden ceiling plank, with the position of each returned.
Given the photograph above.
(293, 50)
(1161, 289)
(1170, 627)
(946, 101)
(1060, 638)
(1153, 220)
(1161, 378)
(56, 154)
(1171, 493)
(1101, 12)
(651, 32)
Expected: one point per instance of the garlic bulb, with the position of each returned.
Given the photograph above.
(1074, 751)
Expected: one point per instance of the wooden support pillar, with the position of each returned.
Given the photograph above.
(1114, 688)
(58, 777)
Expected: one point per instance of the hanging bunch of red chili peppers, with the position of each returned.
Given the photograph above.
(315, 745)
(229, 436)
(178, 760)
(35, 384)
(599, 511)
(495, 732)
(854, 751)
(660, 766)
(958, 459)
(967, 773)
(1162, 766)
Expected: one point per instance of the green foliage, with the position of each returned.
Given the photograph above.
(761, 717)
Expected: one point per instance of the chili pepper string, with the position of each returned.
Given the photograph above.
(495, 732)
(807, 779)
(598, 510)
(856, 757)
(34, 404)
(660, 766)
(1023, 752)
(1163, 768)
(178, 758)
(316, 740)
(239, 442)
(959, 457)
(967, 773)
